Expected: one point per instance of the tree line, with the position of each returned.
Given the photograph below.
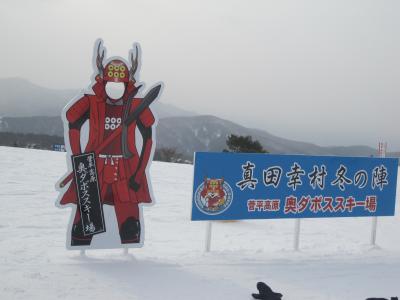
(234, 143)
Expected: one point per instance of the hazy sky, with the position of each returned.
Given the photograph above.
(320, 71)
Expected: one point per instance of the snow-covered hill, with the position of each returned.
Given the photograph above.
(335, 261)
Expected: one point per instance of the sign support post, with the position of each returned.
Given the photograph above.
(208, 236)
(381, 153)
(296, 244)
(373, 231)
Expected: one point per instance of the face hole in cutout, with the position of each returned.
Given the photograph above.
(115, 90)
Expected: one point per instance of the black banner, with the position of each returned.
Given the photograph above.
(88, 192)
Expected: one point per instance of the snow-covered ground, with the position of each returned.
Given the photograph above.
(335, 261)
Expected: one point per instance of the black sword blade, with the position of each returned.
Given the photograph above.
(147, 100)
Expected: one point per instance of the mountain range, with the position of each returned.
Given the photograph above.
(22, 98)
(28, 108)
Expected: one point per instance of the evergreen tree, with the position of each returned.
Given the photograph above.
(244, 144)
(168, 155)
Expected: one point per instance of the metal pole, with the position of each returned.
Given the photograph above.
(382, 147)
(208, 236)
(296, 244)
(83, 252)
(126, 251)
(373, 231)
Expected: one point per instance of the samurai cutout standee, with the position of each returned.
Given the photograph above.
(111, 167)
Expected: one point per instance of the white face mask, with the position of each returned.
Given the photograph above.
(115, 90)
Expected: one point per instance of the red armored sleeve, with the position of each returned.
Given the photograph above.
(144, 124)
(146, 151)
(147, 118)
(78, 109)
(76, 115)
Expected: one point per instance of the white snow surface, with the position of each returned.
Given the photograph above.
(335, 260)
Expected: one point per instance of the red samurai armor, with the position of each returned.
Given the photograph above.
(121, 165)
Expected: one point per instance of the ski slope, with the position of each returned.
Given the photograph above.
(335, 261)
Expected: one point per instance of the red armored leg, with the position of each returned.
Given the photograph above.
(77, 237)
(128, 221)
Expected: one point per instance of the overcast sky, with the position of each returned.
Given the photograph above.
(319, 71)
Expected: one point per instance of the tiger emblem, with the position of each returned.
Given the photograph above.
(213, 193)
(213, 196)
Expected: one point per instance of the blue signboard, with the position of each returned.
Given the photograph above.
(233, 186)
(59, 147)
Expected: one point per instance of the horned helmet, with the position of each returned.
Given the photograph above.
(116, 70)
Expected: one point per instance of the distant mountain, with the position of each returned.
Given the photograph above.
(21, 98)
(36, 125)
(28, 108)
(196, 133)
(209, 133)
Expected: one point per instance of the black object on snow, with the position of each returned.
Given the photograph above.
(391, 298)
(266, 293)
